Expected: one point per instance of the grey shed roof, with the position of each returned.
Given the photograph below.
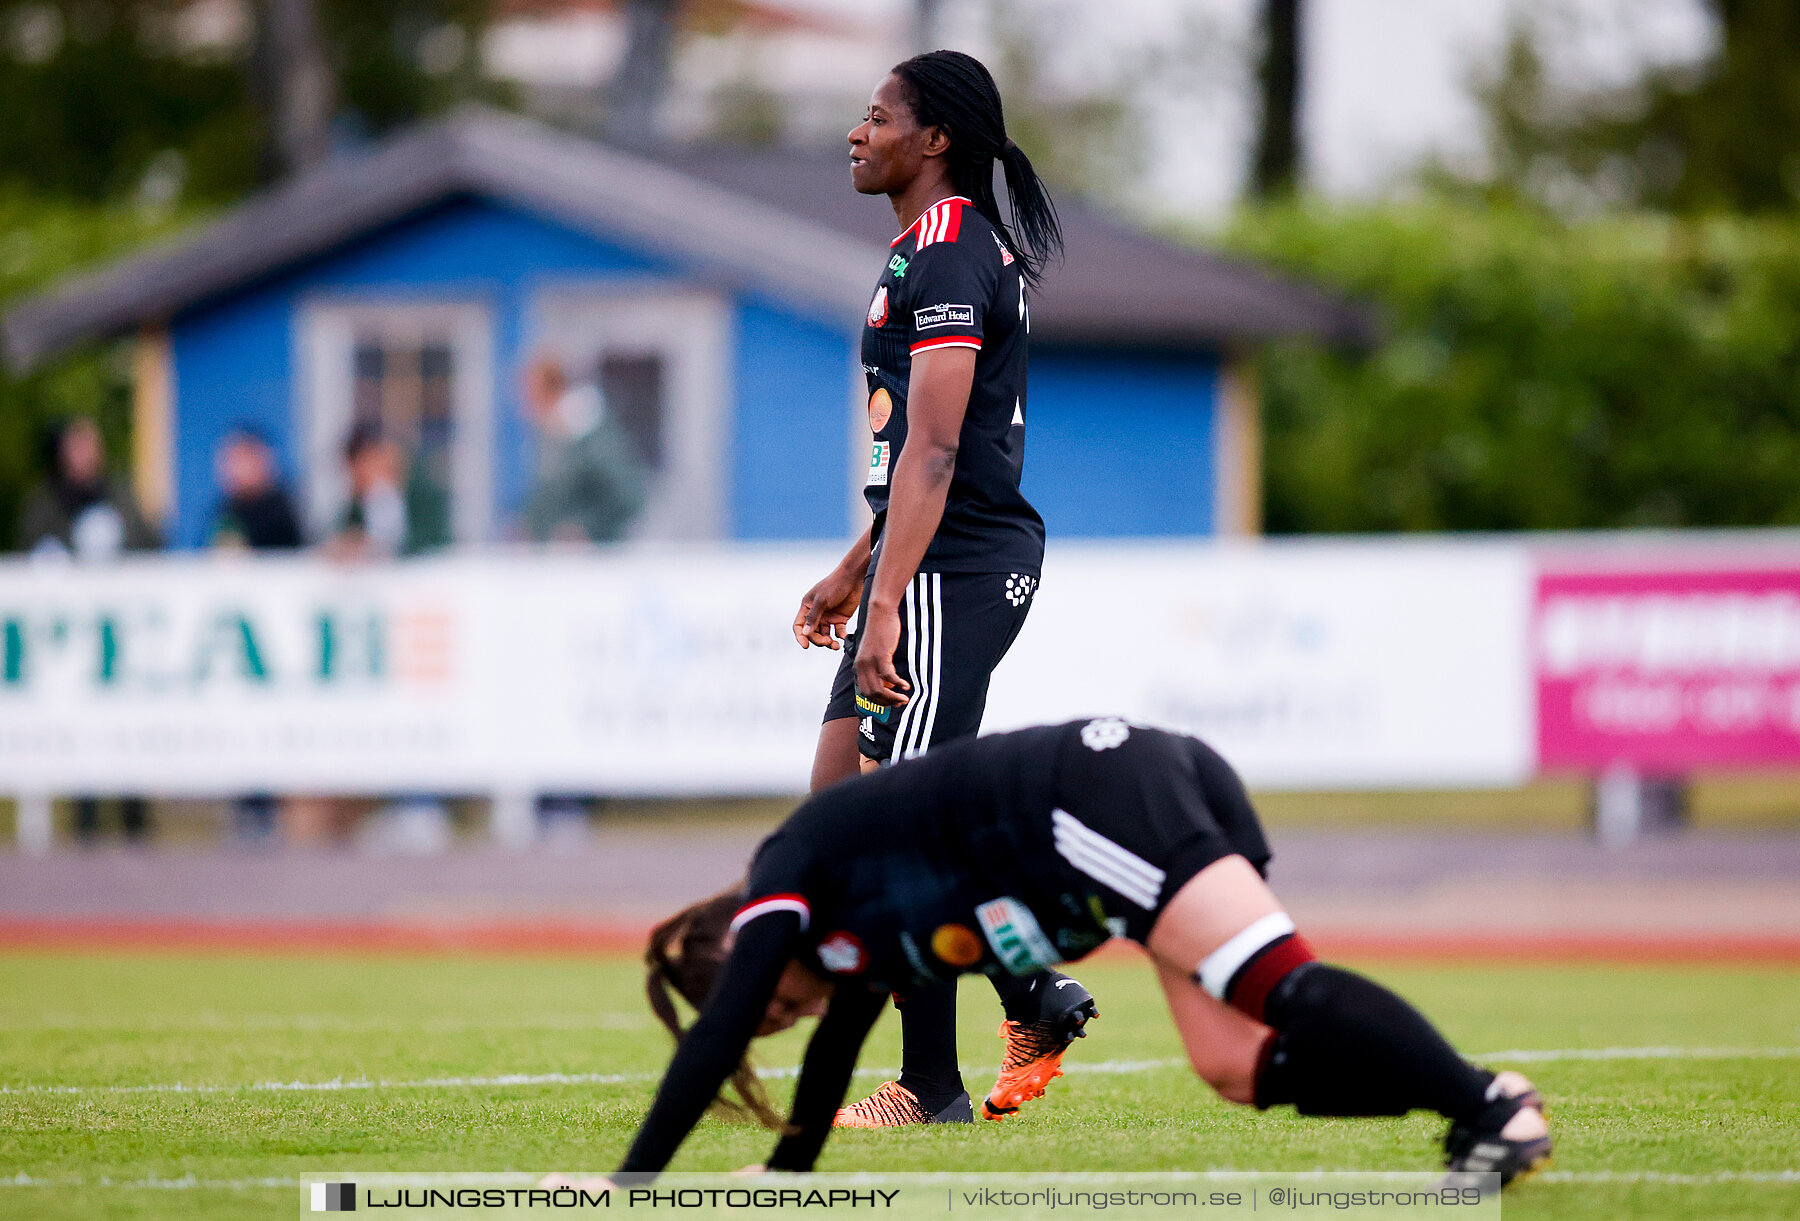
(1116, 285)
(816, 241)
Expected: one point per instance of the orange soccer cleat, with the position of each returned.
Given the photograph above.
(1034, 1050)
(895, 1106)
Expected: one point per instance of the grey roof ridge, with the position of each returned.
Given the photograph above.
(269, 231)
(748, 242)
(473, 149)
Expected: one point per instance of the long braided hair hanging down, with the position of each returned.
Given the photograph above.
(683, 959)
(956, 93)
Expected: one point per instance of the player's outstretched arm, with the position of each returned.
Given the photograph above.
(713, 1048)
(825, 1075)
(936, 401)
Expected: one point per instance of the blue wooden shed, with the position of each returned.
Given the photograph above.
(716, 295)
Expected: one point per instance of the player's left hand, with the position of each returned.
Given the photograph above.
(876, 676)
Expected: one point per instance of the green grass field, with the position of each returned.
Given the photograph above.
(1678, 1134)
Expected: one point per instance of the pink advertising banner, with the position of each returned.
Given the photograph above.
(1668, 669)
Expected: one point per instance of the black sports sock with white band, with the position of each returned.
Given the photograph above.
(1343, 1045)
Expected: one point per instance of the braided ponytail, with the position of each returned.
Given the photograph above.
(957, 94)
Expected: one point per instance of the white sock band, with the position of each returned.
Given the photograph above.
(1223, 963)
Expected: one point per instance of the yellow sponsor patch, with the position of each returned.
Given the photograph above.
(956, 945)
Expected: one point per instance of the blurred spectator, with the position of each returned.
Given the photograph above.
(395, 507)
(254, 511)
(384, 518)
(590, 481)
(373, 523)
(81, 511)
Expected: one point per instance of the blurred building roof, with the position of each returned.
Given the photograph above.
(812, 239)
(1117, 284)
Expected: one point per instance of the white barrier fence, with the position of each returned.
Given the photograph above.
(1310, 664)
(674, 672)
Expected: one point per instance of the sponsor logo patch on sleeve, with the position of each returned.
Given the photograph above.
(842, 953)
(1017, 939)
(943, 314)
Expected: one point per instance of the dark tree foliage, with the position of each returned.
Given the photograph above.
(97, 92)
(90, 101)
(379, 49)
(1537, 376)
(1275, 166)
(39, 242)
(1721, 137)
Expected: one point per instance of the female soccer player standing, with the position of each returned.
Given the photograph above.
(1008, 853)
(946, 572)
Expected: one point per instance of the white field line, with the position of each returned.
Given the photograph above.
(1109, 1067)
(208, 1021)
(1590, 1178)
(1642, 1053)
(1629, 1177)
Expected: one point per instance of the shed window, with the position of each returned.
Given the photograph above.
(420, 374)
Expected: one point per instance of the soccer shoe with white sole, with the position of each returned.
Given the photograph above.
(895, 1106)
(1509, 1138)
(1034, 1049)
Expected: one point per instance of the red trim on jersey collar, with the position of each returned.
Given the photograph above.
(946, 221)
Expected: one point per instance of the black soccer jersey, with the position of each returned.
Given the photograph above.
(1002, 854)
(951, 281)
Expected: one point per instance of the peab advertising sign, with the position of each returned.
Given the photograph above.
(1668, 669)
(1310, 664)
(674, 671)
(198, 677)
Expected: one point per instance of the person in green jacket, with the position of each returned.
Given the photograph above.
(591, 479)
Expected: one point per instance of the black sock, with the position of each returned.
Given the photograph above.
(1347, 1046)
(1022, 997)
(928, 1046)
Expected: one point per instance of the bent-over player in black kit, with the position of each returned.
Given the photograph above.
(944, 577)
(1009, 853)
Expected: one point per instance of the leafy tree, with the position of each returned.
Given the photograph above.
(107, 97)
(1632, 371)
(1720, 136)
(1275, 166)
(39, 242)
(95, 90)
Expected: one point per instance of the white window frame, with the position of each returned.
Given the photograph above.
(688, 330)
(326, 378)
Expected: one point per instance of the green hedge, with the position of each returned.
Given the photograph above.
(1631, 371)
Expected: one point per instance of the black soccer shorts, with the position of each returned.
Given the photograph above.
(954, 629)
(1141, 811)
